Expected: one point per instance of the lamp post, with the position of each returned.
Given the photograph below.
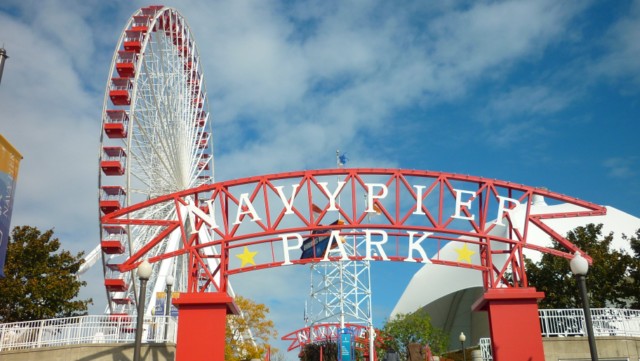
(167, 310)
(579, 268)
(3, 56)
(144, 272)
(463, 338)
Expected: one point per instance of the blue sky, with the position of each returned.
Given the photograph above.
(542, 93)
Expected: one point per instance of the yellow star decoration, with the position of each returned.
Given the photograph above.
(247, 257)
(464, 254)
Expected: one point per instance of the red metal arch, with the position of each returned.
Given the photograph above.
(329, 332)
(257, 222)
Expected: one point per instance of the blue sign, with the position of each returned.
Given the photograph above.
(345, 349)
(161, 301)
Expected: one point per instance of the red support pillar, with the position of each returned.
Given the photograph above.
(201, 325)
(514, 323)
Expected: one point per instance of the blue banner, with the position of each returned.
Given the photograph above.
(9, 163)
(345, 345)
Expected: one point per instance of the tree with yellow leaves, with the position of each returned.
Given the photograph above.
(248, 334)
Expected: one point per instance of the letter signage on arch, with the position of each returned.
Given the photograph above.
(385, 214)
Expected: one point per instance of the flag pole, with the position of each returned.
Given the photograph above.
(341, 265)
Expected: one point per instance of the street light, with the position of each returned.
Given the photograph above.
(144, 272)
(167, 310)
(3, 56)
(463, 338)
(579, 268)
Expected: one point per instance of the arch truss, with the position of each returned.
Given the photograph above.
(308, 216)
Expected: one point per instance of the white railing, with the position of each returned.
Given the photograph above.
(571, 322)
(485, 349)
(84, 330)
(606, 322)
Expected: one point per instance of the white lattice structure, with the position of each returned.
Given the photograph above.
(340, 292)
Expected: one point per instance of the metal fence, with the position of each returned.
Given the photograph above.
(571, 323)
(121, 328)
(84, 330)
(606, 322)
(485, 349)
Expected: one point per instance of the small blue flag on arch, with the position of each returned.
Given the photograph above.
(342, 159)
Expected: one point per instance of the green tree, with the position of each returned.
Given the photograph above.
(409, 328)
(238, 345)
(311, 351)
(634, 279)
(40, 280)
(607, 279)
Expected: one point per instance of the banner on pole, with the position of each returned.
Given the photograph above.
(9, 164)
(346, 346)
(161, 301)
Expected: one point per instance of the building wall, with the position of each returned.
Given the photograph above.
(577, 348)
(92, 352)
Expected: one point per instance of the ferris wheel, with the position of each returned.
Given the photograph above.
(156, 139)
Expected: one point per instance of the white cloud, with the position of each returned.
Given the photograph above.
(354, 65)
(621, 167)
(526, 113)
(489, 36)
(53, 122)
(528, 101)
(623, 47)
